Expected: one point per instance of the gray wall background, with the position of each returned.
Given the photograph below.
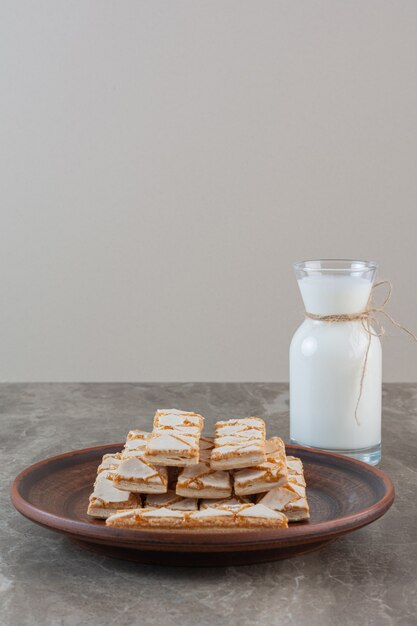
(163, 163)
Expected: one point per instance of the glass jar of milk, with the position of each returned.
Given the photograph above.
(329, 406)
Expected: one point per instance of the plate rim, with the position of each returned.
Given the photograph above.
(203, 540)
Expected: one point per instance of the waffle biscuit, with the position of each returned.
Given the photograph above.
(141, 518)
(211, 517)
(175, 438)
(135, 443)
(106, 499)
(233, 501)
(258, 515)
(170, 500)
(238, 443)
(290, 498)
(206, 445)
(295, 469)
(134, 473)
(263, 477)
(109, 462)
(201, 481)
(140, 476)
(246, 516)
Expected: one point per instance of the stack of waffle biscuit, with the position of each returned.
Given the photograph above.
(173, 477)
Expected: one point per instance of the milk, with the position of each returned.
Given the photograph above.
(326, 364)
(326, 295)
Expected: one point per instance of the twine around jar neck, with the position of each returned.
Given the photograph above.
(367, 317)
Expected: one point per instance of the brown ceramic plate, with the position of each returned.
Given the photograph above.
(344, 495)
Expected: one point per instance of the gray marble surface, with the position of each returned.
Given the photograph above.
(368, 577)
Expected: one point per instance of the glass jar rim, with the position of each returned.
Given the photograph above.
(335, 265)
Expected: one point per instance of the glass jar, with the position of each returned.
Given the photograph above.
(329, 408)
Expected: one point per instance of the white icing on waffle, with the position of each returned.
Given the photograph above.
(234, 502)
(200, 476)
(258, 510)
(135, 444)
(175, 436)
(139, 470)
(239, 438)
(291, 497)
(134, 468)
(246, 516)
(271, 473)
(109, 462)
(106, 497)
(170, 500)
(106, 492)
